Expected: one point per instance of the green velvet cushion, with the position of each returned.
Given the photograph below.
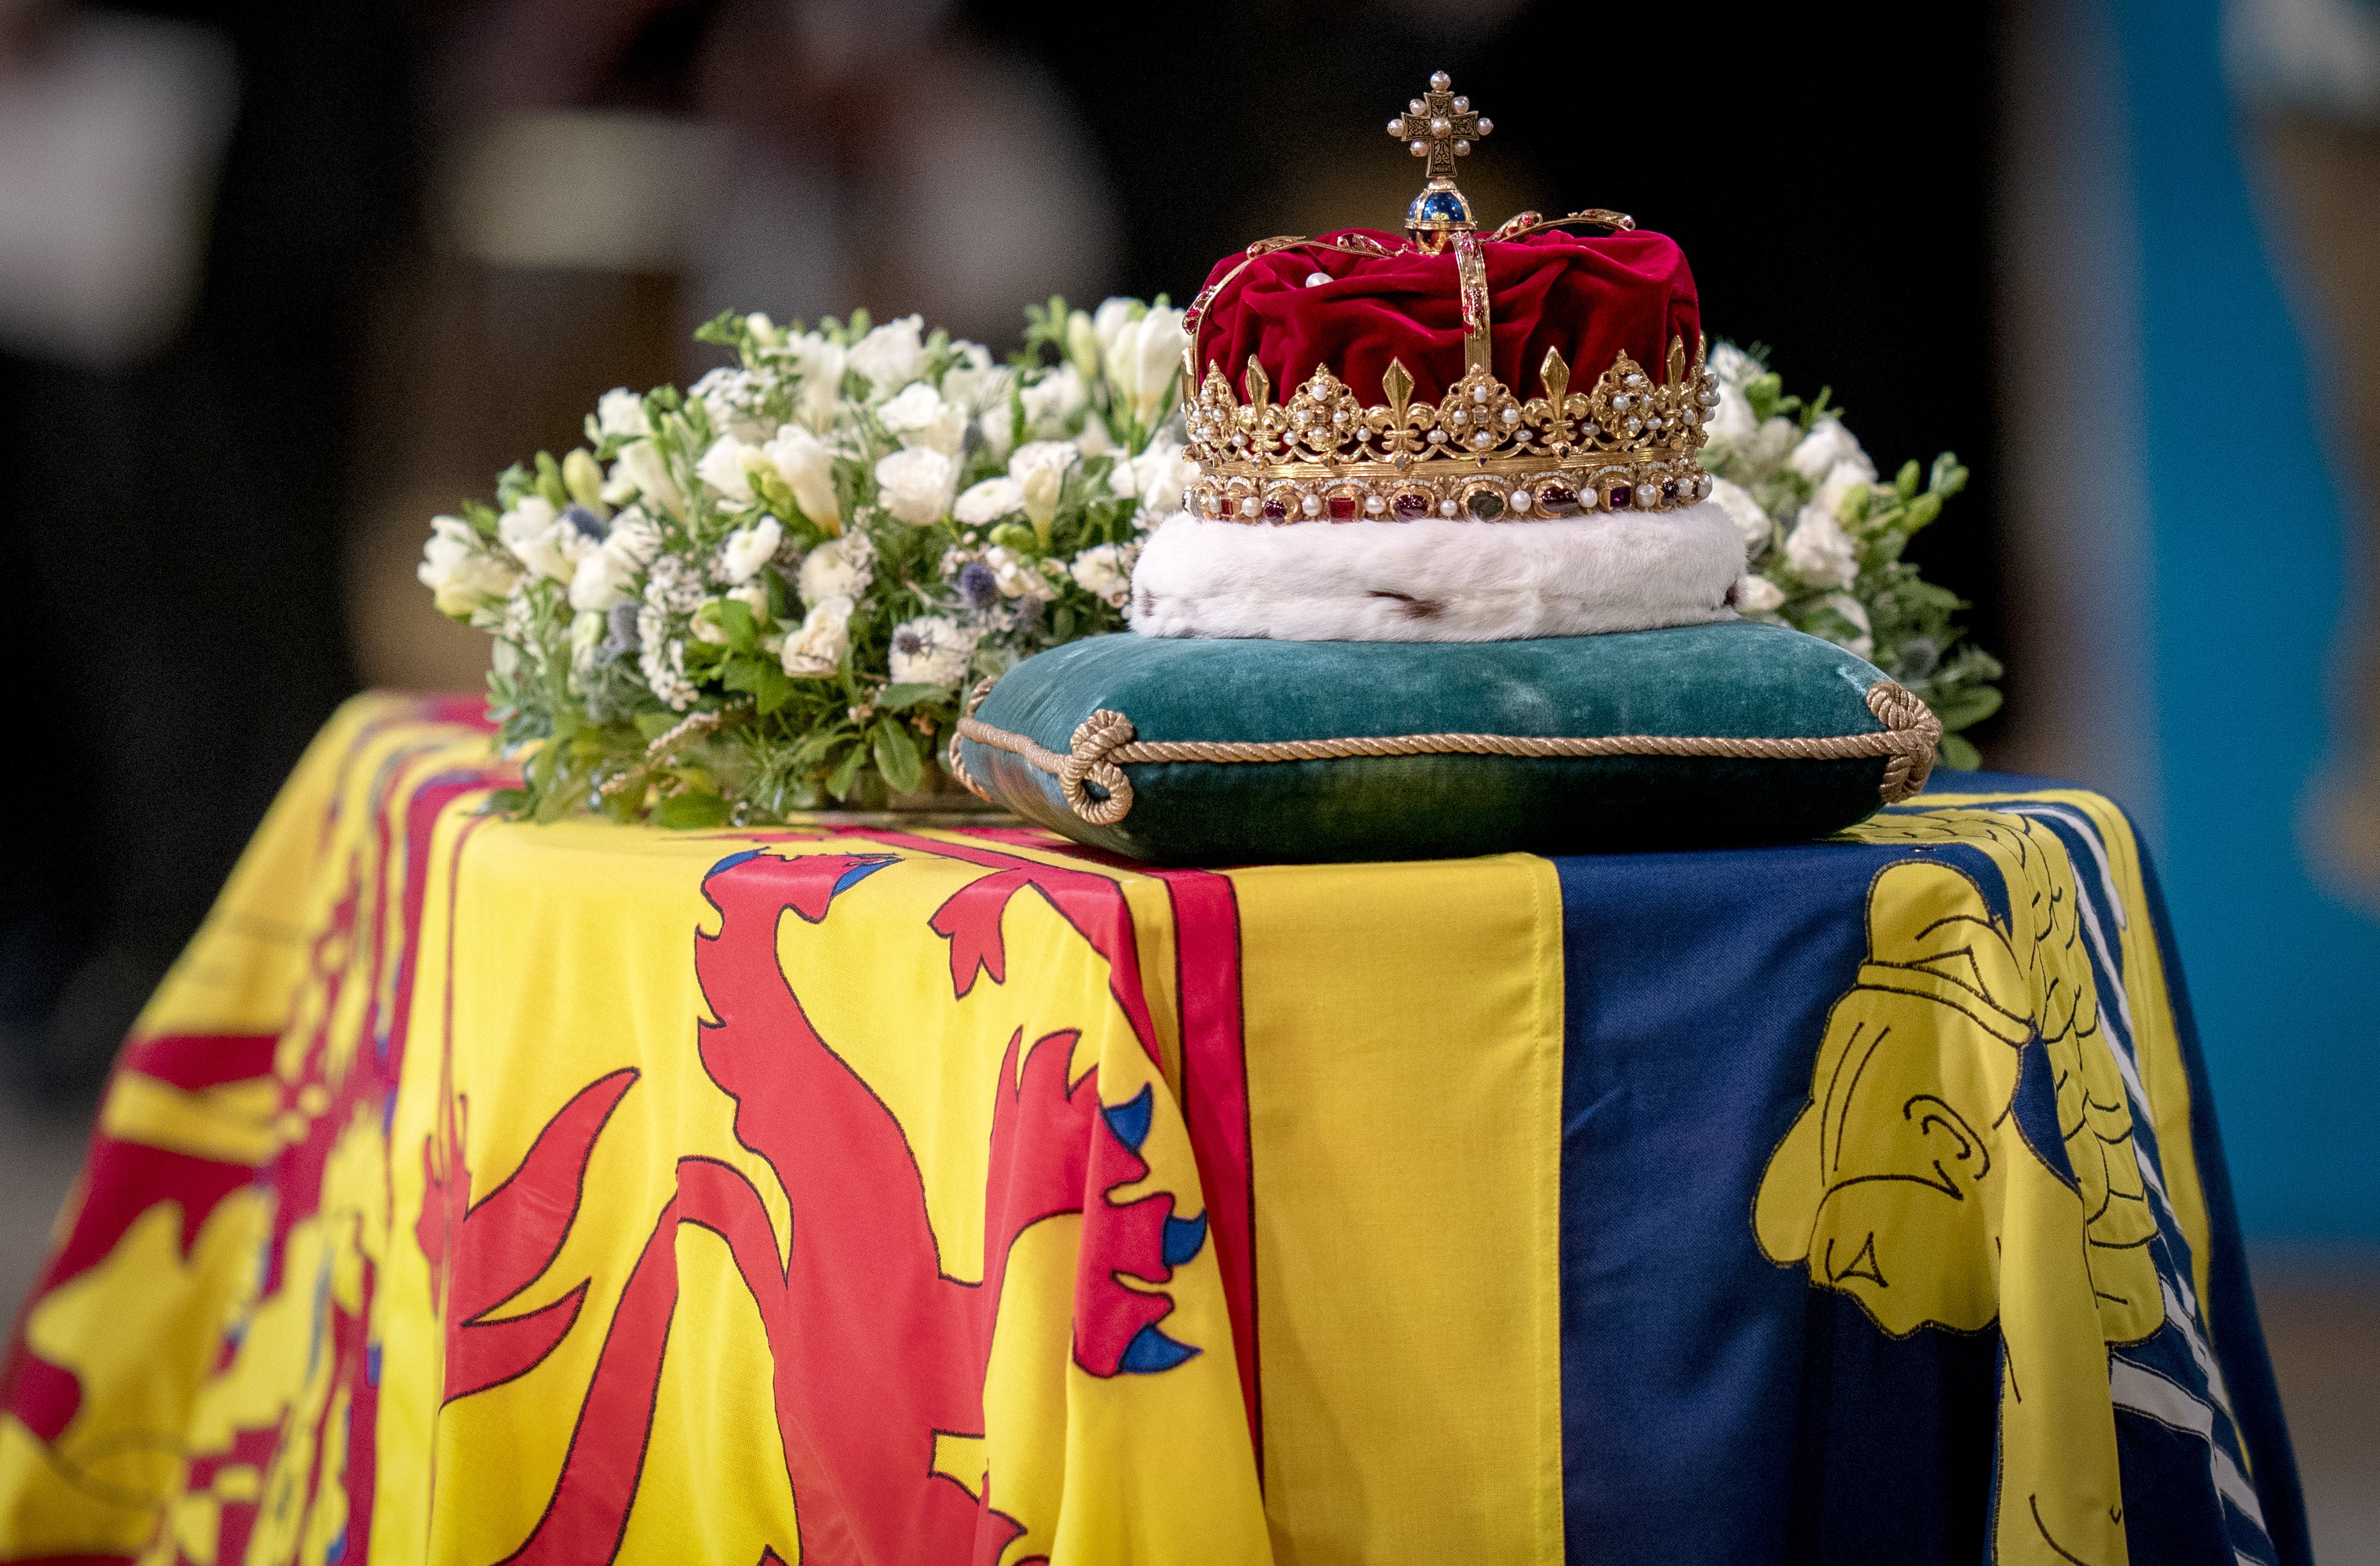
(1739, 680)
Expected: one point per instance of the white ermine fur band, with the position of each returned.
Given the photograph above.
(1438, 580)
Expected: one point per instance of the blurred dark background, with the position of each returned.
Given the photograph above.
(280, 281)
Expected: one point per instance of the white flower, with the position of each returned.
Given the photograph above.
(1111, 322)
(837, 568)
(806, 464)
(621, 412)
(1733, 366)
(1841, 480)
(917, 485)
(601, 580)
(1040, 469)
(819, 646)
(1769, 445)
(987, 503)
(736, 400)
(1104, 571)
(921, 418)
(1818, 550)
(531, 515)
(748, 549)
(1054, 399)
(1745, 513)
(554, 553)
(707, 627)
(642, 468)
(975, 383)
(462, 575)
(1756, 595)
(998, 428)
(721, 468)
(1017, 576)
(1158, 475)
(892, 355)
(1827, 443)
(1144, 360)
(753, 595)
(1730, 424)
(1862, 642)
(820, 363)
(661, 658)
(930, 651)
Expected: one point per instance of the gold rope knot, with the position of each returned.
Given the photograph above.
(1097, 737)
(1914, 731)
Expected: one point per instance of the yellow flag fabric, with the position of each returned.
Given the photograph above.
(871, 1192)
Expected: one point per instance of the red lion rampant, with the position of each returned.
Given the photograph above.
(876, 1350)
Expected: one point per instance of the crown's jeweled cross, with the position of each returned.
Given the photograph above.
(1439, 126)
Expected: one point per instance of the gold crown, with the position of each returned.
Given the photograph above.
(1481, 452)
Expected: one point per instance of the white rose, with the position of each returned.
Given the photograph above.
(531, 515)
(1040, 469)
(987, 503)
(621, 412)
(1054, 399)
(1862, 643)
(641, 465)
(748, 549)
(1820, 553)
(1745, 513)
(820, 364)
(1827, 443)
(819, 646)
(601, 580)
(1769, 443)
(837, 568)
(892, 355)
(1756, 595)
(917, 485)
(998, 428)
(1733, 366)
(721, 468)
(1841, 480)
(460, 574)
(1145, 360)
(930, 651)
(553, 553)
(921, 418)
(753, 595)
(1157, 477)
(1730, 424)
(975, 383)
(1105, 572)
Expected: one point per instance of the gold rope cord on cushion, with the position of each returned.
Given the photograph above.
(1104, 744)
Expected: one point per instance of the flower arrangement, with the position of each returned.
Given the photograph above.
(1823, 537)
(767, 593)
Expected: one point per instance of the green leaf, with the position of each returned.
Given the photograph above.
(1907, 479)
(735, 619)
(653, 724)
(897, 757)
(682, 811)
(895, 699)
(1922, 510)
(1958, 754)
(768, 685)
(1062, 622)
(505, 802)
(548, 481)
(839, 783)
(1963, 708)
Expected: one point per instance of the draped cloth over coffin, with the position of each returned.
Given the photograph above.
(477, 1192)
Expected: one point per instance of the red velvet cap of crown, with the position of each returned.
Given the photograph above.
(1591, 296)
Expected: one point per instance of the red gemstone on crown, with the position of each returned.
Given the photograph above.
(1276, 510)
(1342, 508)
(1412, 507)
(1622, 495)
(1557, 500)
